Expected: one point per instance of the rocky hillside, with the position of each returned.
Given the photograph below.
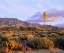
(16, 22)
(12, 22)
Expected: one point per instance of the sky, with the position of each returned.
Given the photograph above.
(32, 10)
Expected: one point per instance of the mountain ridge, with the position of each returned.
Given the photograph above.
(60, 25)
(14, 22)
(5, 22)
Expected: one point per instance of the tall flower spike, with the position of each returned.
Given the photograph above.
(45, 16)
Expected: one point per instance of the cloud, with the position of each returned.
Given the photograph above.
(53, 15)
(22, 9)
(56, 13)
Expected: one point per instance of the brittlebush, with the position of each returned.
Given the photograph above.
(41, 43)
(12, 45)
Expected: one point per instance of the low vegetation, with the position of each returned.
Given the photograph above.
(41, 43)
(28, 39)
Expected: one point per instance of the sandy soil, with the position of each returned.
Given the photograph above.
(46, 51)
(40, 51)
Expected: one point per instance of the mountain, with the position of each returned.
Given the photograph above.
(11, 22)
(60, 25)
(4, 22)
(14, 22)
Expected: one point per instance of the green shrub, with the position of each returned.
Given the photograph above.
(40, 43)
(3, 38)
(43, 35)
(51, 52)
(47, 43)
(59, 42)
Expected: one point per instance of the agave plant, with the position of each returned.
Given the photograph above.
(44, 16)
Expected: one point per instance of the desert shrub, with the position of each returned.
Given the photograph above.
(47, 43)
(43, 35)
(22, 28)
(3, 38)
(59, 42)
(13, 45)
(54, 35)
(4, 49)
(41, 43)
(61, 33)
(19, 40)
(36, 44)
(28, 37)
(31, 28)
(51, 52)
